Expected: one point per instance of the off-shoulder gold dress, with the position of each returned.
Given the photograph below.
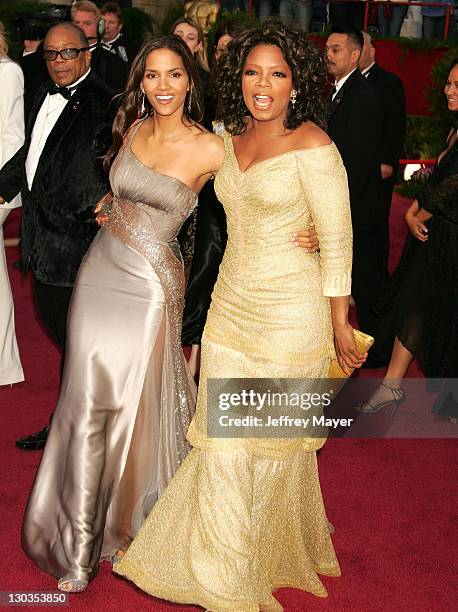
(243, 517)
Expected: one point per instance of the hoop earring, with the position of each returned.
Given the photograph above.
(143, 105)
(292, 97)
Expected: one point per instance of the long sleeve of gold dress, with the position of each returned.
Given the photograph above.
(243, 517)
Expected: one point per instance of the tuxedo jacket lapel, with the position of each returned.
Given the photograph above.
(341, 93)
(333, 104)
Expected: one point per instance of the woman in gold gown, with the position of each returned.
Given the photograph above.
(243, 517)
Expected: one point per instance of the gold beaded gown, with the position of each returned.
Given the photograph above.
(243, 517)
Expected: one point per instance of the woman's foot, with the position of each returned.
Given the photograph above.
(72, 585)
(384, 396)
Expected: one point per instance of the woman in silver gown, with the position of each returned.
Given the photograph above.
(118, 432)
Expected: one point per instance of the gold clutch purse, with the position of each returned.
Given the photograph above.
(363, 344)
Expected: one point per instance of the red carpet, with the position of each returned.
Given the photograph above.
(393, 502)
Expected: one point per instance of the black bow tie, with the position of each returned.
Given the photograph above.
(66, 92)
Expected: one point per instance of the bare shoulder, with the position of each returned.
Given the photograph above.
(310, 136)
(211, 148)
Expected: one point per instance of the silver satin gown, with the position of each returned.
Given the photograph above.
(127, 396)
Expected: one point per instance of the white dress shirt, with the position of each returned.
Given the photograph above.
(47, 117)
(339, 84)
(366, 71)
(11, 115)
(109, 44)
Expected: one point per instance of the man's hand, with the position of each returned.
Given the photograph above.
(2, 201)
(306, 239)
(386, 171)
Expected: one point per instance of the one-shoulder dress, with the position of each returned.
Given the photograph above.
(127, 396)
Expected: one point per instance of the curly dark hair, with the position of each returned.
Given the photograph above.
(129, 111)
(229, 28)
(308, 69)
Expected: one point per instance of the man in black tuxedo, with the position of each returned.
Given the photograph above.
(355, 124)
(114, 39)
(60, 176)
(108, 66)
(390, 92)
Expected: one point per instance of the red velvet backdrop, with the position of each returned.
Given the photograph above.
(413, 66)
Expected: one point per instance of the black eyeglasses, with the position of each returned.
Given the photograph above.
(50, 55)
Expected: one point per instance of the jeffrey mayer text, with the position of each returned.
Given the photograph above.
(283, 421)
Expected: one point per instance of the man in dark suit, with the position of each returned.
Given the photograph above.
(390, 92)
(108, 66)
(59, 174)
(354, 124)
(114, 39)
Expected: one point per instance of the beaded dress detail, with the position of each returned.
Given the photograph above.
(243, 517)
(119, 430)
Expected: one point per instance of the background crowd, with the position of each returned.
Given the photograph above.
(52, 162)
(366, 119)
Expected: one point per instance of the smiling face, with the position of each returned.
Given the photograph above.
(189, 35)
(165, 82)
(266, 83)
(65, 72)
(451, 89)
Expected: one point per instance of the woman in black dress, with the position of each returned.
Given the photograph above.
(420, 309)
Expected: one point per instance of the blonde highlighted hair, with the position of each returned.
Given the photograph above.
(3, 41)
(88, 7)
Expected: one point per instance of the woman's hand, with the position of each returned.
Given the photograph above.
(194, 360)
(417, 228)
(306, 239)
(100, 210)
(347, 353)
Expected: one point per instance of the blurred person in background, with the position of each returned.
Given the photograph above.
(114, 39)
(434, 18)
(390, 92)
(11, 139)
(108, 66)
(418, 312)
(390, 17)
(297, 13)
(193, 35)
